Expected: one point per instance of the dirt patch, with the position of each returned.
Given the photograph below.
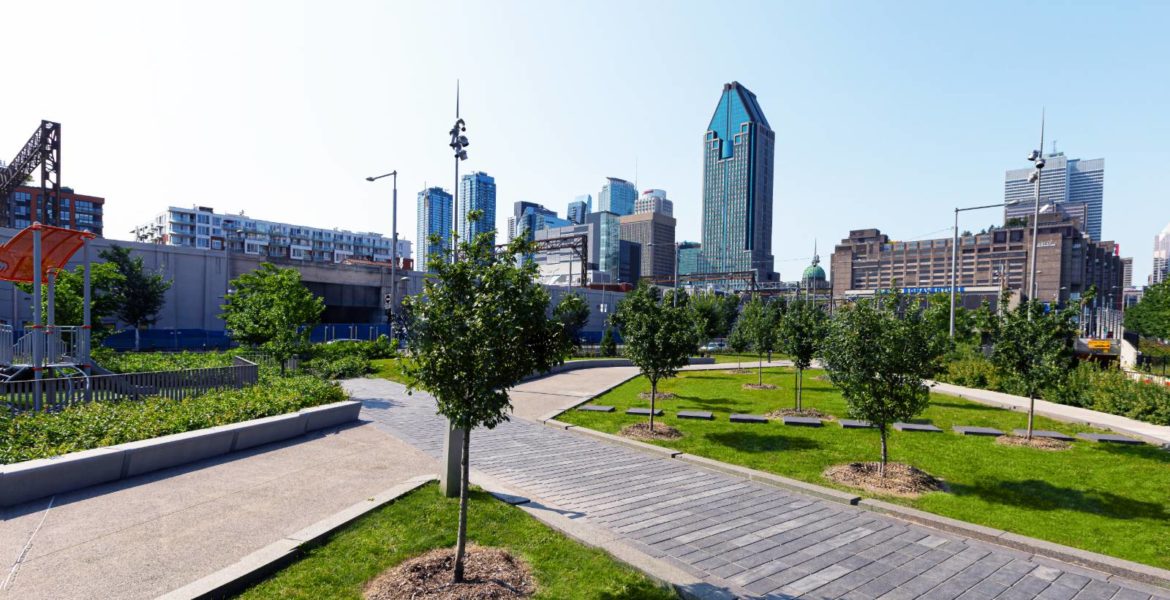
(489, 574)
(1038, 443)
(792, 412)
(758, 386)
(822, 378)
(740, 371)
(900, 480)
(642, 431)
(659, 396)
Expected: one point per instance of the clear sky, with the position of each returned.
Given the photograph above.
(886, 115)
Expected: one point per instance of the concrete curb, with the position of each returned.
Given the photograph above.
(260, 564)
(29, 480)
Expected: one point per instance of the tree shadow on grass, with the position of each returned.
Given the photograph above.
(1041, 495)
(965, 406)
(641, 590)
(751, 441)
(1144, 452)
(706, 402)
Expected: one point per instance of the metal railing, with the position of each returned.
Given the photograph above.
(57, 393)
(62, 346)
(6, 345)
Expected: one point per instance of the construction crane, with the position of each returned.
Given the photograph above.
(42, 150)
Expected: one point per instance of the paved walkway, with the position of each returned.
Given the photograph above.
(746, 538)
(148, 535)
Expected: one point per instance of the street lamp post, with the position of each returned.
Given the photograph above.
(1037, 159)
(393, 243)
(955, 253)
(458, 144)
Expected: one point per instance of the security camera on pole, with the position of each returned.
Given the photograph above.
(1037, 159)
(453, 441)
(458, 143)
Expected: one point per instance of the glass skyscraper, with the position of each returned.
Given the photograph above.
(477, 191)
(1064, 181)
(579, 207)
(617, 196)
(434, 218)
(1161, 257)
(738, 163)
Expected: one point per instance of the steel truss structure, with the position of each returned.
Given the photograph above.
(43, 149)
(578, 244)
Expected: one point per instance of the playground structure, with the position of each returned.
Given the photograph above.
(36, 255)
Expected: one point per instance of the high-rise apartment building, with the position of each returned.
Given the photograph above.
(477, 191)
(579, 207)
(654, 201)
(74, 211)
(654, 231)
(1161, 257)
(738, 163)
(1064, 180)
(434, 218)
(617, 196)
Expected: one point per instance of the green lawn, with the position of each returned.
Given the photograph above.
(1105, 498)
(389, 368)
(423, 520)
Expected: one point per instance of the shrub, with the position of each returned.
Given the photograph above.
(143, 362)
(372, 350)
(343, 367)
(29, 436)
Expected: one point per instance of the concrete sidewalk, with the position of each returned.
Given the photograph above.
(142, 537)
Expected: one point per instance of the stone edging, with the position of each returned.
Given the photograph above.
(1111, 566)
(32, 479)
(271, 558)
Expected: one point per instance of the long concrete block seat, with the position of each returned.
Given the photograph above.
(331, 415)
(31, 479)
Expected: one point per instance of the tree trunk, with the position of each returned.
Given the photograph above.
(465, 476)
(761, 370)
(653, 397)
(137, 343)
(1031, 413)
(885, 453)
(799, 389)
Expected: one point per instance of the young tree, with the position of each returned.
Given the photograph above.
(480, 327)
(738, 342)
(714, 314)
(757, 325)
(69, 296)
(608, 345)
(802, 328)
(879, 361)
(139, 295)
(1151, 316)
(573, 313)
(1036, 347)
(659, 337)
(271, 308)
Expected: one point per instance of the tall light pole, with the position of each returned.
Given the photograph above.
(393, 245)
(1037, 159)
(955, 253)
(458, 144)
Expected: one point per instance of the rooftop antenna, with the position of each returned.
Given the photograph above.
(1054, 146)
(636, 174)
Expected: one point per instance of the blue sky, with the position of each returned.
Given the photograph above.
(886, 115)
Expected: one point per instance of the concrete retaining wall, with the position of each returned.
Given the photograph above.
(29, 480)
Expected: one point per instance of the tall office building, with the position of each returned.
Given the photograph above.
(654, 231)
(529, 217)
(738, 162)
(477, 191)
(434, 218)
(1161, 256)
(654, 201)
(688, 258)
(1064, 180)
(579, 207)
(617, 196)
(1127, 272)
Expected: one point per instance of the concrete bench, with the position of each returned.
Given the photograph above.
(740, 418)
(965, 430)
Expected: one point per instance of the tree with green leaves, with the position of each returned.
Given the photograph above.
(608, 344)
(480, 326)
(714, 314)
(802, 327)
(757, 325)
(878, 353)
(573, 313)
(69, 297)
(1036, 348)
(272, 309)
(738, 342)
(139, 295)
(1150, 317)
(659, 337)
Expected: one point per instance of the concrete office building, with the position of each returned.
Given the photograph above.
(579, 207)
(738, 164)
(617, 196)
(654, 201)
(1067, 264)
(477, 191)
(654, 232)
(74, 211)
(1161, 256)
(434, 219)
(1127, 272)
(1065, 180)
(200, 227)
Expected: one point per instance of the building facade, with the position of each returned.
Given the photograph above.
(529, 217)
(1161, 256)
(1064, 180)
(74, 211)
(738, 163)
(654, 201)
(617, 196)
(654, 232)
(579, 207)
(603, 260)
(477, 191)
(688, 258)
(434, 219)
(1067, 264)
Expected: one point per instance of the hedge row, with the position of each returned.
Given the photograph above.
(40, 435)
(144, 362)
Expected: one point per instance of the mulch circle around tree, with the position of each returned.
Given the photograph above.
(900, 479)
(806, 412)
(740, 371)
(1038, 443)
(641, 431)
(659, 396)
(758, 386)
(489, 574)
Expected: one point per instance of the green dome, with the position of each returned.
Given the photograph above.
(813, 272)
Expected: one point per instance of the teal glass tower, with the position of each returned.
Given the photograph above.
(434, 218)
(738, 166)
(617, 196)
(477, 191)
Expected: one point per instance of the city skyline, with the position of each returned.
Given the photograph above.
(864, 101)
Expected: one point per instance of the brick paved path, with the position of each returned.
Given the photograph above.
(751, 539)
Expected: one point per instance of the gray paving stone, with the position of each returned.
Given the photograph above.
(855, 424)
(802, 421)
(926, 427)
(965, 430)
(1056, 435)
(1109, 437)
(595, 408)
(643, 411)
(739, 418)
(1097, 590)
(696, 414)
